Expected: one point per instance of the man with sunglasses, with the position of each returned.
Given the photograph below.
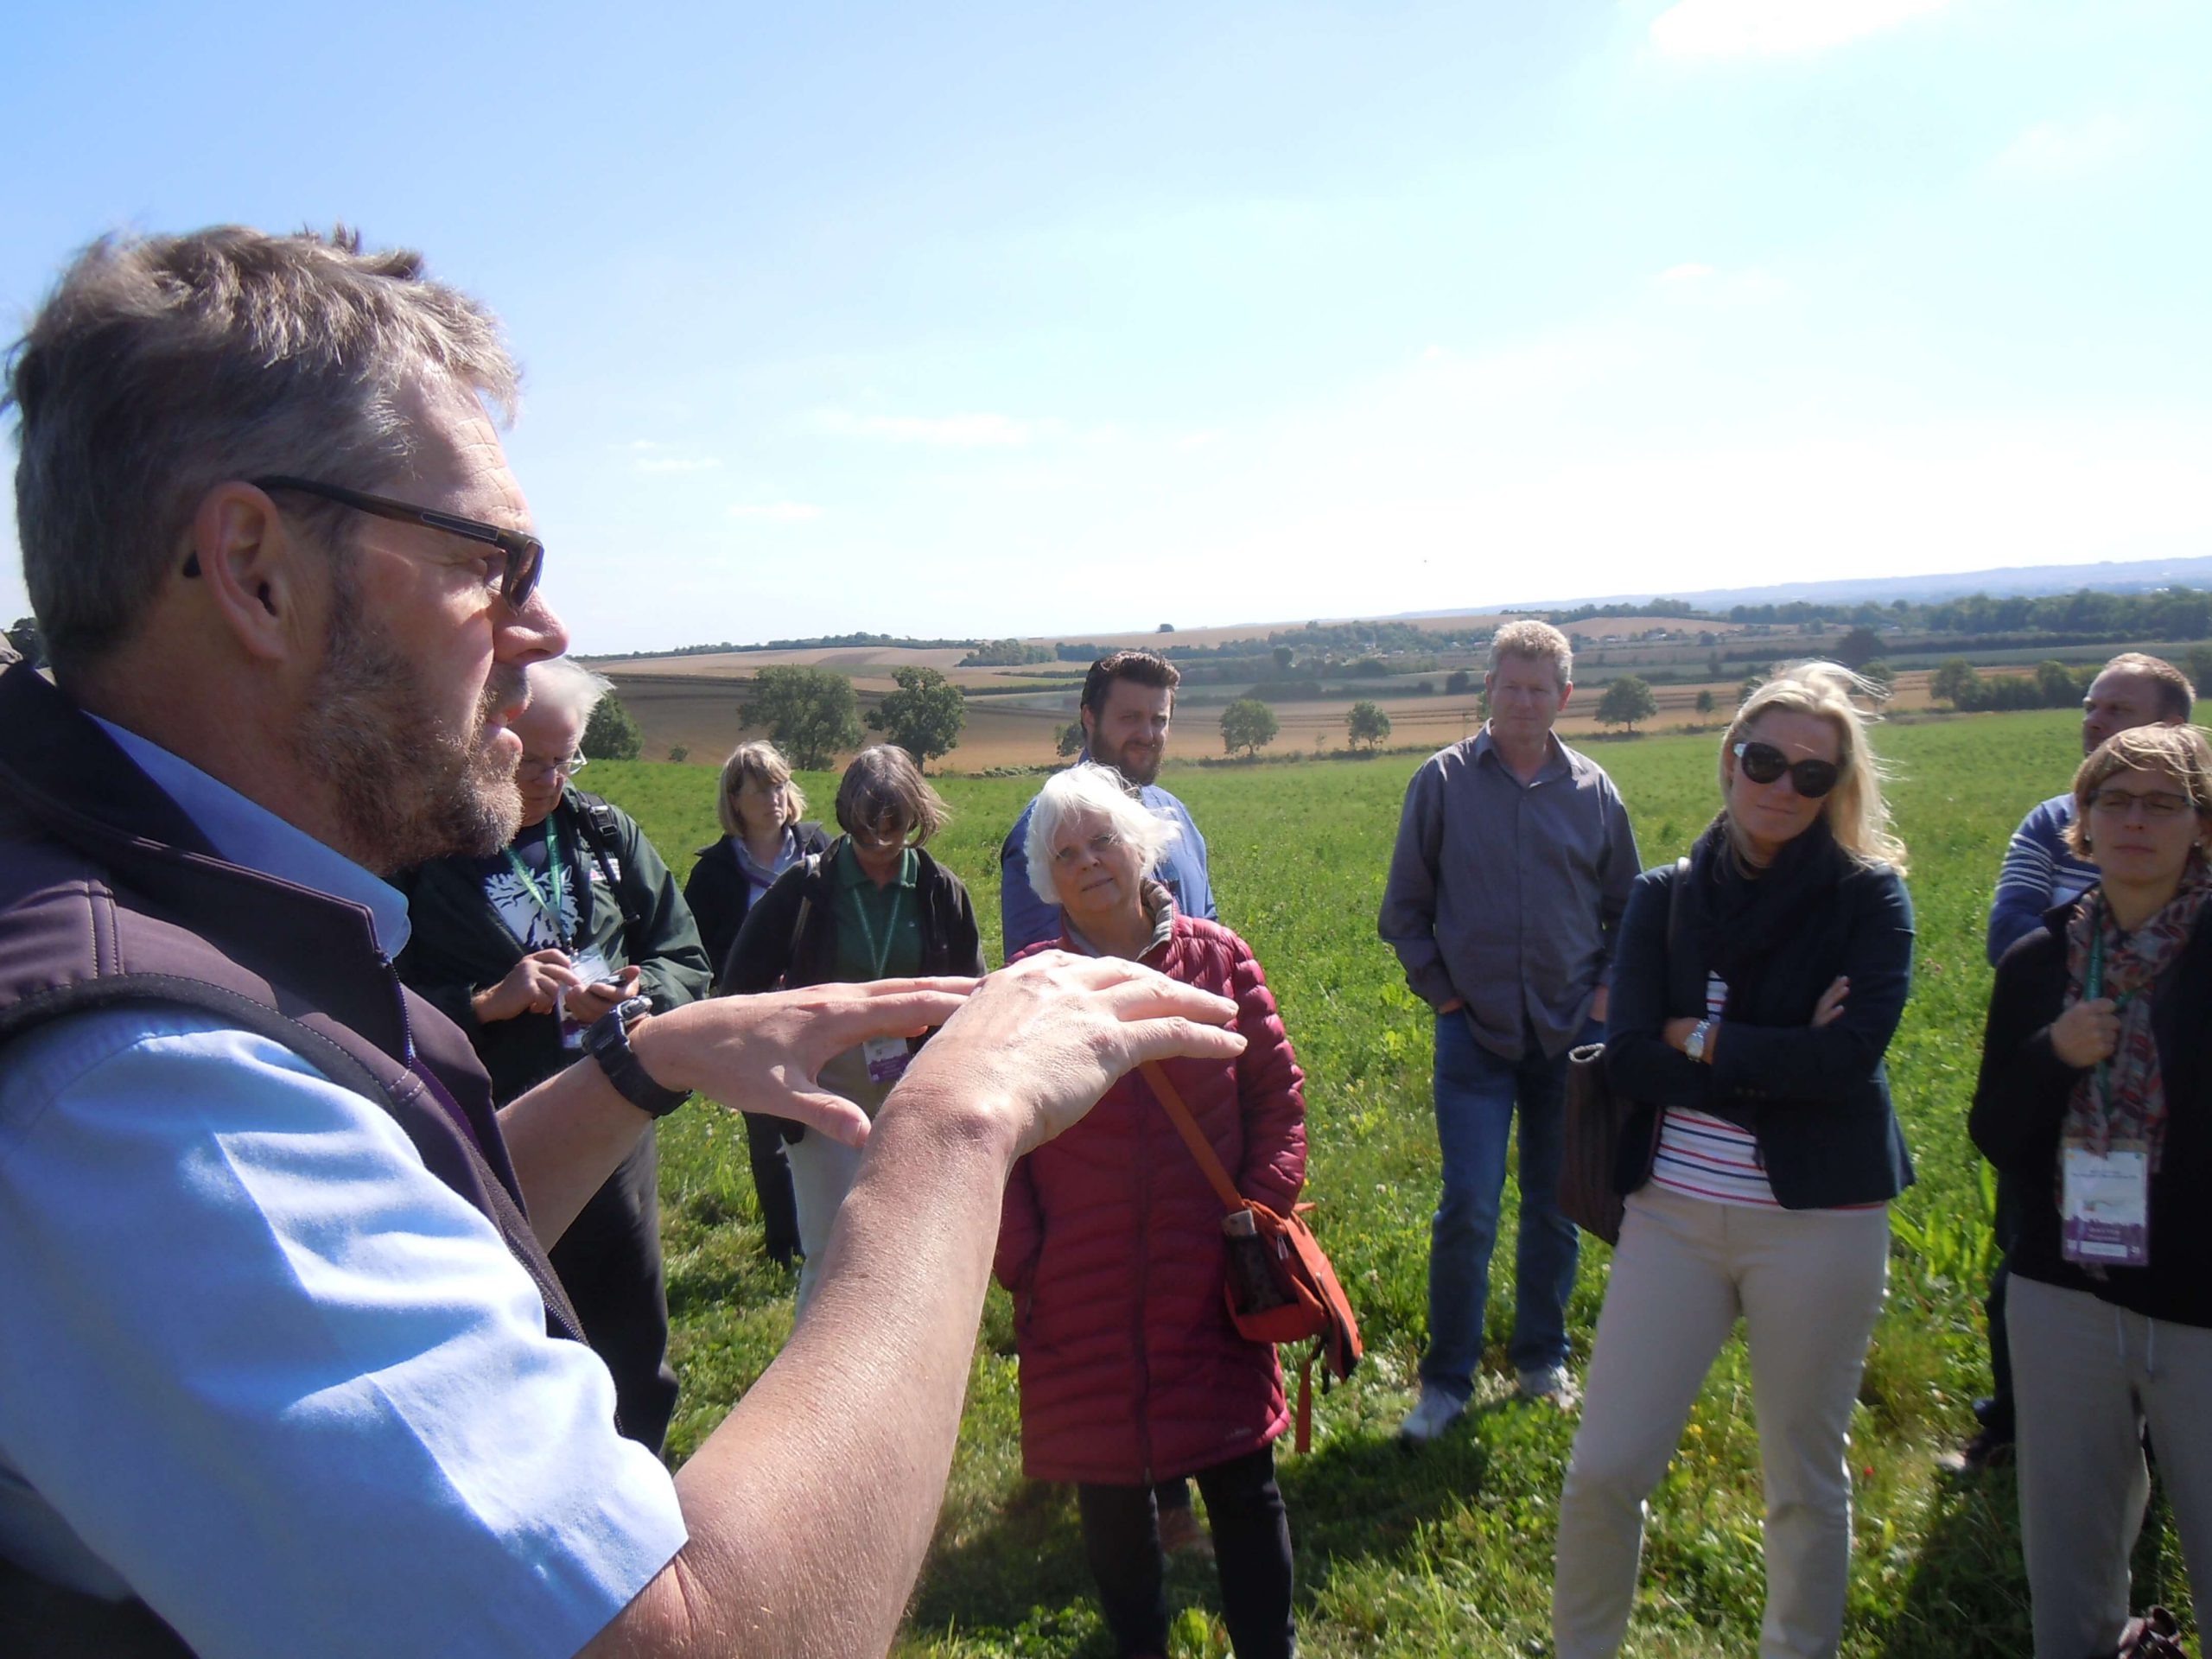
(287, 1370)
(525, 950)
(1512, 867)
(2040, 872)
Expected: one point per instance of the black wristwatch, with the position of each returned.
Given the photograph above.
(607, 1040)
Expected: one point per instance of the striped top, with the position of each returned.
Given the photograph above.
(1707, 1156)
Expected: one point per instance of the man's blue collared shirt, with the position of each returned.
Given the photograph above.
(266, 1371)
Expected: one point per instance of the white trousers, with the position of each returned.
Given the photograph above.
(1807, 1284)
(823, 1170)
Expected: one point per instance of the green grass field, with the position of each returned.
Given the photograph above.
(1449, 1550)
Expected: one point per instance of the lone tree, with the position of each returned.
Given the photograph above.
(1627, 700)
(1954, 682)
(612, 732)
(1247, 724)
(1858, 648)
(923, 716)
(1071, 738)
(811, 713)
(1705, 701)
(1367, 724)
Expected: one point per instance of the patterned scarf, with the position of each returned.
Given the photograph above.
(2124, 1098)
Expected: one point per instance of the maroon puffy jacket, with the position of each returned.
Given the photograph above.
(1110, 1241)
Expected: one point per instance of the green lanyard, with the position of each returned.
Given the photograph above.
(881, 956)
(555, 878)
(2092, 987)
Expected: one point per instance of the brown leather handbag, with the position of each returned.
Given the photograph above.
(1590, 1154)
(1279, 1287)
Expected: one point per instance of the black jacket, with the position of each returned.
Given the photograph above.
(627, 907)
(2019, 1106)
(763, 951)
(719, 894)
(1818, 1101)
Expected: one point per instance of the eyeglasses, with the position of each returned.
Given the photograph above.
(1763, 763)
(534, 771)
(514, 571)
(1100, 844)
(2157, 804)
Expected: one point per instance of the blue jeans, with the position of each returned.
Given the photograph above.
(1476, 1093)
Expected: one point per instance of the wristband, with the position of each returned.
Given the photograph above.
(608, 1042)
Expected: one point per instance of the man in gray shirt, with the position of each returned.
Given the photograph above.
(1512, 867)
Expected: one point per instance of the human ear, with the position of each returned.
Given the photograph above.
(253, 572)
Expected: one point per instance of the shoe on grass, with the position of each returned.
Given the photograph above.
(1554, 1385)
(1181, 1534)
(1436, 1411)
(1986, 1450)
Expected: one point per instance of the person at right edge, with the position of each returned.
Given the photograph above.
(2095, 1098)
(1749, 1023)
(2041, 870)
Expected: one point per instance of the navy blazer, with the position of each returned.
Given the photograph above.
(1818, 1101)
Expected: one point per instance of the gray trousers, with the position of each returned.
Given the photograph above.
(1807, 1284)
(2088, 1375)
(823, 1170)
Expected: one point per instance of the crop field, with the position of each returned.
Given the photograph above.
(1449, 1550)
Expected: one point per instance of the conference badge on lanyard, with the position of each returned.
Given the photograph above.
(2104, 1198)
(886, 1057)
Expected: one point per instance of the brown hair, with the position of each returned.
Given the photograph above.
(2177, 697)
(1538, 641)
(2180, 752)
(884, 782)
(763, 760)
(1139, 667)
(164, 366)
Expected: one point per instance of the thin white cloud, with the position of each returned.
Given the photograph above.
(781, 513)
(978, 431)
(2073, 150)
(676, 464)
(1768, 29)
(1686, 272)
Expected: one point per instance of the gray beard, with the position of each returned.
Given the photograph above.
(413, 789)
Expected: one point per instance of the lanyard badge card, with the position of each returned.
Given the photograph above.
(886, 1057)
(2104, 1198)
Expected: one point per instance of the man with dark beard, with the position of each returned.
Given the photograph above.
(1128, 698)
(287, 1370)
(523, 950)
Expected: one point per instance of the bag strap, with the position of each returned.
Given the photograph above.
(1201, 1148)
(799, 921)
(1675, 909)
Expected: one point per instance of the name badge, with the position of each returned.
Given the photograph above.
(2104, 1207)
(886, 1058)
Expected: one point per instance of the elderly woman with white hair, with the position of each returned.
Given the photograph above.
(1111, 1243)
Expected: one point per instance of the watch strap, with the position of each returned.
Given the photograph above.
(608, 1042)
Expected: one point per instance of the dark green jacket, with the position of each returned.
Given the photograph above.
(627, 907)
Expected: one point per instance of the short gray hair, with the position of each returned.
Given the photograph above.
(1104, 792)
(162, 367)
(563, 683)
(1537, 641)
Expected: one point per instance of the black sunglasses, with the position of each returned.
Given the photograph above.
(515, 573)
(1763, 763)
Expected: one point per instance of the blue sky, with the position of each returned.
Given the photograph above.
(998, 319)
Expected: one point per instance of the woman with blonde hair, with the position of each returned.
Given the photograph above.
(2095, 1097)
(764, 832)
(1754, 993)
(873, 906)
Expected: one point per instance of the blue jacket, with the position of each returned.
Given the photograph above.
(1025, 919)
(1818, 1101)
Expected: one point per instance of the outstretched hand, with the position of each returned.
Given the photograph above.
(764, 1053)
(1041, 1041)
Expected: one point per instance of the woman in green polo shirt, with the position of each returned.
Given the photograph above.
(875, 907)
